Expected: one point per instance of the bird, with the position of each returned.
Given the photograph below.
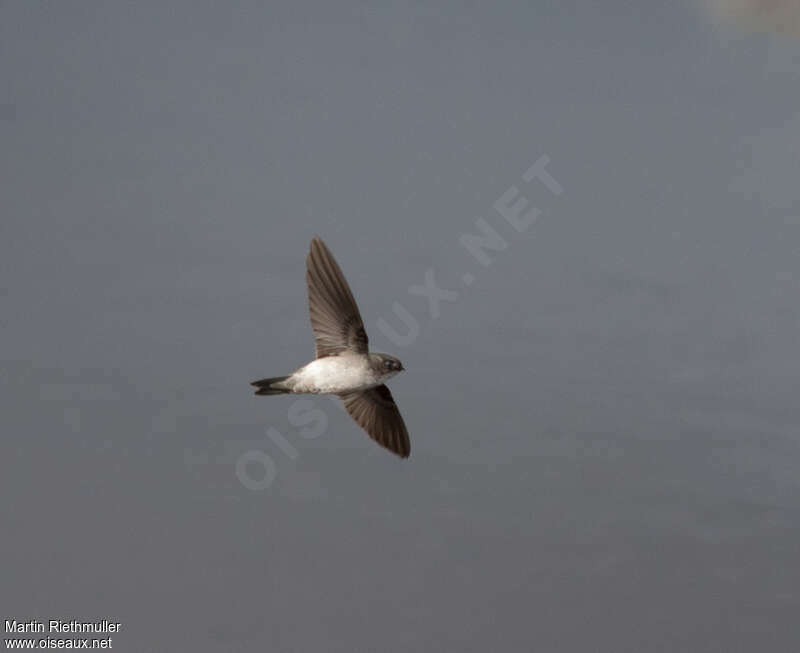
(343, 365)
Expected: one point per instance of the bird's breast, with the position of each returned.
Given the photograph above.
(335, 374)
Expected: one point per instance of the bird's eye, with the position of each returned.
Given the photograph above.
(387, 364)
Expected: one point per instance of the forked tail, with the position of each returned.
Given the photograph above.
(271, 386)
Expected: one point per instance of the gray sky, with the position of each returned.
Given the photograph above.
(604, 423)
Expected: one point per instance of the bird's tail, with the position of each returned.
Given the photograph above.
(271, 386)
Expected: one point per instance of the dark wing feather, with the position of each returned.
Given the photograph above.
(375, 411)
(335, 319)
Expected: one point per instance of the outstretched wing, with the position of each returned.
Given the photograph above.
(375, 411)
(335, 319)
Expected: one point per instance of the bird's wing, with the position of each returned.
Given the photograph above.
(335, 319)
(376, 413)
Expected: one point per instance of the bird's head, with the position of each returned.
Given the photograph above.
(387, 365)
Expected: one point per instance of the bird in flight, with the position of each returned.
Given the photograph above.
(344, 365)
